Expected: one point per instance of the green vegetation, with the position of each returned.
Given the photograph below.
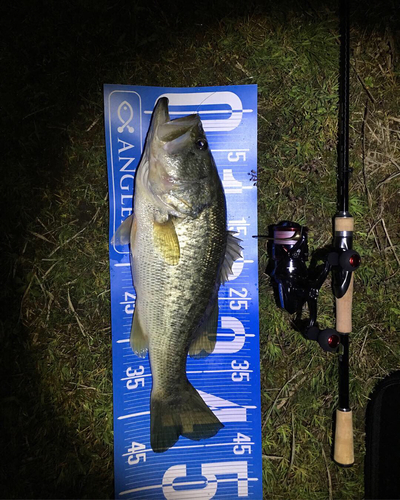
(56, 396)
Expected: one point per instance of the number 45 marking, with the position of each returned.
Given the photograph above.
(135, 456)
(243, 444)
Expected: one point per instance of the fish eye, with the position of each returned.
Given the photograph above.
(201, 144)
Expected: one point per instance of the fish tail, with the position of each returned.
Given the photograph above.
(189, 416)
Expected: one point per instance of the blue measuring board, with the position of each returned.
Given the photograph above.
(228, 465)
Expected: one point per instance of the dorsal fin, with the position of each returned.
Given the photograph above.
(233, 252)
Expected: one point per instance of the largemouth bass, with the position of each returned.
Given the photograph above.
(181, 252)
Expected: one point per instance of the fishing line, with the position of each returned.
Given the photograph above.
(202, 102)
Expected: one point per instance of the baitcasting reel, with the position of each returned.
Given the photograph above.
(296, 284)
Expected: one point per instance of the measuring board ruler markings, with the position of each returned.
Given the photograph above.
(228, 465)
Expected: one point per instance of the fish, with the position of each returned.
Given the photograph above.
(181, 252)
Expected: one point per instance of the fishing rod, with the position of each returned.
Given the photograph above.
(296, 284)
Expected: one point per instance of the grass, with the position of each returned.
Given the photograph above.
(56, 399)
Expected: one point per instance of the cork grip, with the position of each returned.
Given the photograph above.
(344, 224)
(344, 454)
(344, 304)
(344, 309)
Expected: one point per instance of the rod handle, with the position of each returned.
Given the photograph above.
(344, 308)
(343, 445)
(344, 224)
(344, 304)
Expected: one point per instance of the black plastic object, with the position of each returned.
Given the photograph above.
(382, 459)
(329, 340)
(294, 283)
(350, 260)
(289, 253)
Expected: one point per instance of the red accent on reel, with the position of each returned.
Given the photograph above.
(333, 341)
(355, 260)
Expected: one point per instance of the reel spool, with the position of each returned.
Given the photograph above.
(296, 284)
(289, 253)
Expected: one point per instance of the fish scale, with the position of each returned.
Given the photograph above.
(178, 300)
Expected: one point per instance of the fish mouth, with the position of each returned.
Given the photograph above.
(176, 129)
(160, 113)
(167, 131)
(167, 140)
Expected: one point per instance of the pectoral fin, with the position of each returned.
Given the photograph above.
(139, 341)
(206, 337)
(166, 241)
(233, 252)
(122, 235)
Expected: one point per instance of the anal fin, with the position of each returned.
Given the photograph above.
(139, 341)
(206, 336)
